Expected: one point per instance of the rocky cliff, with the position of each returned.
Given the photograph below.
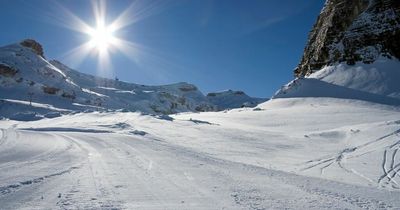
(349, 31)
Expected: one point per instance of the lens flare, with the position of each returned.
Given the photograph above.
(103, 36)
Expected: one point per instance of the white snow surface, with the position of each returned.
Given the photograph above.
(377, 82)
(381, 77)
(295, 153)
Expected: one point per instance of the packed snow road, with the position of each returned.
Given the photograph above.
(272, 158)
(81, 170)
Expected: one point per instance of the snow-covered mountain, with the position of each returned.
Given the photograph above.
(233, 99)
(353, 52)
(30, 82)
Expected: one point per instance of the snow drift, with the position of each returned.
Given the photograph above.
(377, 82)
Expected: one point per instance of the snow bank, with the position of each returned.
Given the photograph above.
(377, 82)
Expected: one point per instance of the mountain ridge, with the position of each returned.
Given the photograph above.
(26, 75)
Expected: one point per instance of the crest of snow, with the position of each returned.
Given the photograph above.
(377, 82)
(381, 77)
(34, 104)
(92, 92)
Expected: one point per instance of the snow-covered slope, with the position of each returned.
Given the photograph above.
(230, 99)
(26, 76)
(165, 99)
(302, 153)
(377, 82)
(381, 77)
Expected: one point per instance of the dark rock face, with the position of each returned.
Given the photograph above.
(50, 90)
(351, 31)
(35, 46)
(7, 71)
(187, 87)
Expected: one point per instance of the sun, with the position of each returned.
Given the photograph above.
(101, 37)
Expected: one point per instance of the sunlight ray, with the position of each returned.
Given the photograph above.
(137, 11)
(76, 55)
(68, 19)
(99, 11)
(103, 39)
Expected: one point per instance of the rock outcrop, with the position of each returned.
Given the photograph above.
(352, 31)
(34, 45)
(7, 71)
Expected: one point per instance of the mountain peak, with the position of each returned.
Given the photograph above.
(229, 99)
(352, 31)
(34, 45)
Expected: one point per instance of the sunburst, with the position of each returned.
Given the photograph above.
(103, 37)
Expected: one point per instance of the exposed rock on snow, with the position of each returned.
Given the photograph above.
(34, 45)
(7, 71)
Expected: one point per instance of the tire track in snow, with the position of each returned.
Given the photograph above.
(95, 167)
(17, 186)
(52, 153)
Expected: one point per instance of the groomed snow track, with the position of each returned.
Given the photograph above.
(91, 170)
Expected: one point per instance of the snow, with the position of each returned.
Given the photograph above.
(26, 116)
(33, 104)
(375, 82)
(301, 153)
(230, 99)
(378, 78)
(164, 99)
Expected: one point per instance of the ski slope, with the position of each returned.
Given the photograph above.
(297, 153)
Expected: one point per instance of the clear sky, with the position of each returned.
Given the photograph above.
(249, 45)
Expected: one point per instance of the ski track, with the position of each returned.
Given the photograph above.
(389, 167)
(124, 172)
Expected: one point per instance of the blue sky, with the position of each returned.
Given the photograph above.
(250, 45)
